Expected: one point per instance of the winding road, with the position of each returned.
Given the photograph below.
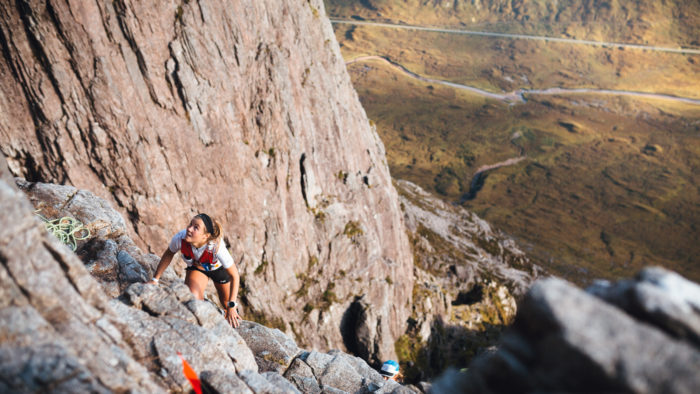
(687, 51)
(518, 96)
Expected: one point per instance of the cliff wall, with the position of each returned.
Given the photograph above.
(241, 109)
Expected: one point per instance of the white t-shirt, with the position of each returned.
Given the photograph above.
(222, 255)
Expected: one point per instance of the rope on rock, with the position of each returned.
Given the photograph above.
(67, 229)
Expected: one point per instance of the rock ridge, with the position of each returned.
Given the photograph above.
(64, 332)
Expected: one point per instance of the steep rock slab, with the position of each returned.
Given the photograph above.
(59, 332)
(241, 109)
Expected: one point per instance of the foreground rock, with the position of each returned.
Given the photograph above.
(63, 333)
(240, 109)
(109, 253)
(633, 336)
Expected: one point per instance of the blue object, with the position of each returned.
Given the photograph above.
(390, 368)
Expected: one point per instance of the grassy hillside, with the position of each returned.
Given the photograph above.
(672, 22)
(609, 184)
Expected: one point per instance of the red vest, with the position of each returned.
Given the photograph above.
(206, 260)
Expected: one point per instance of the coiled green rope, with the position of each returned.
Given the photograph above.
(67, 229)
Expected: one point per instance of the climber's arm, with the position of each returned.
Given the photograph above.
(164, 263)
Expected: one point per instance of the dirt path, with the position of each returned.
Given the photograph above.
(510, 97)
(479, 176)
(518, 96)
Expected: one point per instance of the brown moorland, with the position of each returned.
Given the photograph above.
(608, 184)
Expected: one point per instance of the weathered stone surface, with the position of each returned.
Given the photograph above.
(130, 271)
(241, 109)
(224, 382)
(262, 384)
(208, 316)
(58, 328)
(333, 371)
(185, 325)
(109, 254)
(32, 359)
(369, 374)
(392, 387)
(273, 350)
(301, 375)
(565, 339)
(158, 301)
(659, 297)
(280, 382)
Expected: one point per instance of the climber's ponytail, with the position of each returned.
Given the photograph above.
(218, 232)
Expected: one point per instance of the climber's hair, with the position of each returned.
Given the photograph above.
(212, 226)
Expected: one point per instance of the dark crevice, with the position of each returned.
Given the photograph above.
(3, 261)
(476, 186)
(25, 12)
(368, 4)
(133, 216)
(471, 297)
(179, 87)
(348, 327)
(302, 170)
(31, 170)
(64, 266)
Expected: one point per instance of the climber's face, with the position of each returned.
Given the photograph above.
(197, 234)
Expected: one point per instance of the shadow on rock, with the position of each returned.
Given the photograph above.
(449, 346)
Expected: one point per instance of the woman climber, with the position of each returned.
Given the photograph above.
(202, 248)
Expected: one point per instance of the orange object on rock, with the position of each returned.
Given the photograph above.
(191, 375)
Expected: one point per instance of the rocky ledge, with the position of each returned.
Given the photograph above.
(65, 330)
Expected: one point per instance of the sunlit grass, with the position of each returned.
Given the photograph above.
(592, 199)
(610, 184)
(497, 64)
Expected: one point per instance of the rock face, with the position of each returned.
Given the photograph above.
(462, 265)
(468, 277)
(61, 332)
(241, 109)
(633, 336)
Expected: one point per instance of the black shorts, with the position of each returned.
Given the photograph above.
(219, 276)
